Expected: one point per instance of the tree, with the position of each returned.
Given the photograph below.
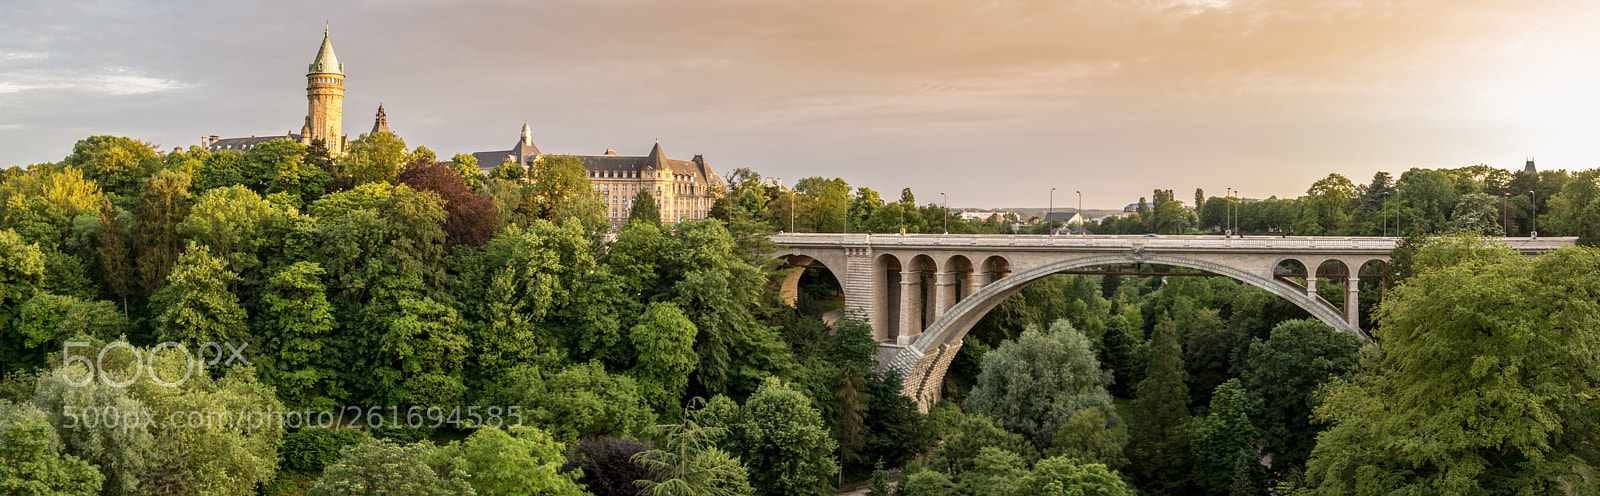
(373, 157)
(664, 342)
(221, 456)
(607, 466)
(785, 442)
(279, 166)
(197, 307)
(31, 466)
(580, 401)
(849, 404)
(518, 461)
(116, 262)
(21, 272)
(690, 463)
(894, 429)
(1327, 204)
(1037, 382)
(470, 219)
(1120, 354)
(417, 347)
(1089, 438)
(117, 164)
(230, 220)
(162, 207)
(122, 454)
(968, 436)
(994, 471)
(1476, 213)
(879, 483)
(927, 483)
(46, 322)
(719, 292)
(1159, 440)
(561, 190)
(466, 166)
(379, 467)
(1216, 439)
(310, 450)
(301, 319)
(1061, 476)
(644, 208)
(1282, 374)
(1484, 384)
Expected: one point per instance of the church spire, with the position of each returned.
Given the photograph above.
(382, 124)
(527, 134)
(326, 62)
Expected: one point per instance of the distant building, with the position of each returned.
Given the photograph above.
(1530, 168)
(1067, 220)
(683, 189)
(981, 216)
(324, 113)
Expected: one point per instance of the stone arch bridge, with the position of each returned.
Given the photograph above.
(886, 278)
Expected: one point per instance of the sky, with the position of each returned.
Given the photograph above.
(991, 102)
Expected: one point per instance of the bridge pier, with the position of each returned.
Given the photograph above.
(945, 292)
(910, 307)
(980, 278)
(1311, 284)
(1352, 299)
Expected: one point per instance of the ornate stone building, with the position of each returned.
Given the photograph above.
(324, 109)
(683, 189)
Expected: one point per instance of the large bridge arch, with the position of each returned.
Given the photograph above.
(926, 360)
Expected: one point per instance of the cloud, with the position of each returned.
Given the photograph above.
(10, 56)
(116, 82)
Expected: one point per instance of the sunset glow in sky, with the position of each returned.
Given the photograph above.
(991, 102)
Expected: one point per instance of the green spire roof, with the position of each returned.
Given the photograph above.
(326, 62)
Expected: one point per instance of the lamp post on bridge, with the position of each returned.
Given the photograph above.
(946, 213)
(1080, 214)
(1050, 227)
(1227, 213)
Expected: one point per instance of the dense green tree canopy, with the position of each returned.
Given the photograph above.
(1485, 381)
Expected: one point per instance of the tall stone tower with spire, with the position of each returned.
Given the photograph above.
(325, 99)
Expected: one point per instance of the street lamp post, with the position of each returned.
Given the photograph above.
(1080, 213)
(946, 213)
(791, 211)
(1050, 227)
(1227, 213)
